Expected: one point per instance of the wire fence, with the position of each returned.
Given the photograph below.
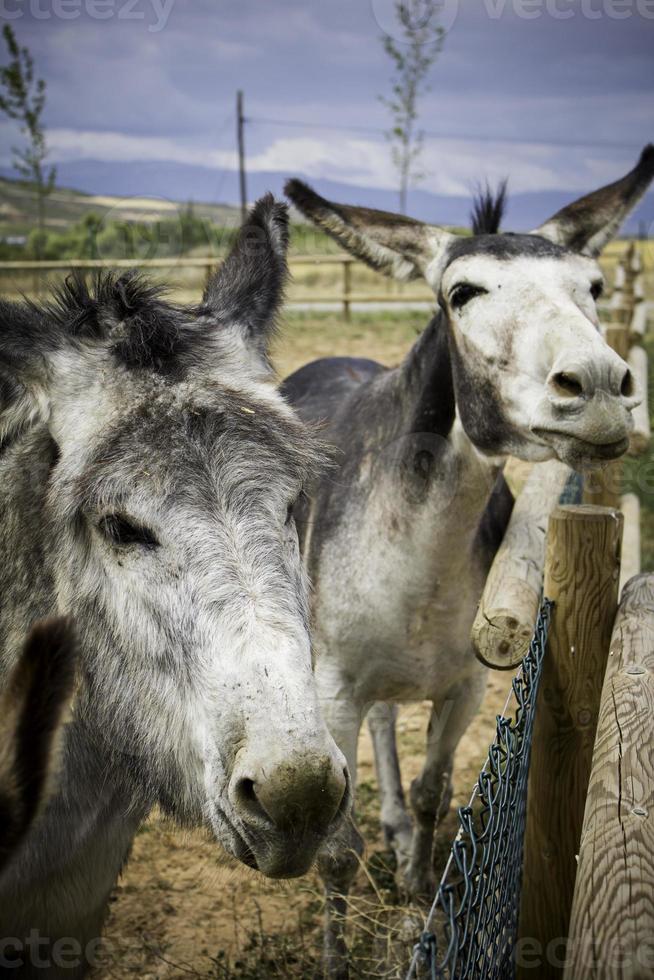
(471, 928)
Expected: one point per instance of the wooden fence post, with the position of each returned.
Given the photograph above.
(604, 487)
(347, 288)
(581, 575)
(612, 924)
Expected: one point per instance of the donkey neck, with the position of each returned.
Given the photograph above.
(425, 381)
(427, 384)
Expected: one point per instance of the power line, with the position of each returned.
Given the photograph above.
(229, 119)
(461, 137)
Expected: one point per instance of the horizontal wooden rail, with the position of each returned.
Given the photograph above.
(188, 261)
(344, 297)
(618, 303)
(316, 298)
(58, 264)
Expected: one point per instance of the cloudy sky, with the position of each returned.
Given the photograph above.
(557, 93)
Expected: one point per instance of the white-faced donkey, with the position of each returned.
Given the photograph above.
(398, 540)
(148, 474)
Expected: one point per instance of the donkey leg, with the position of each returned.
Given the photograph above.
(395, 819)
(339, 861)
(338, 870)
(431, 792)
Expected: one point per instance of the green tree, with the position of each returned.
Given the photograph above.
(22, 98)
(419, 42)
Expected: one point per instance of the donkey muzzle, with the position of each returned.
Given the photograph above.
(285, 811)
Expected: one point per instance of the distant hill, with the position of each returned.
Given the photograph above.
(178, 182)
(66, 207)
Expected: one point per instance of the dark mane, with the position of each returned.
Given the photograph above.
(145, 330)
(488, 209)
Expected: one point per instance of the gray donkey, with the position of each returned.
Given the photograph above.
(148, 474)
(398, 540)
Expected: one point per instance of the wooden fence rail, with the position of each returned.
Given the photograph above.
(394, 292)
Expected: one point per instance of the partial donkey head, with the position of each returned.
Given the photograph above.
(532, 373)
(33, 711)
(171, 466)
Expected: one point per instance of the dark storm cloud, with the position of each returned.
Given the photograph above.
(515, 69)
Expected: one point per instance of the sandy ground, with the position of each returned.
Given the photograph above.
(181, 902)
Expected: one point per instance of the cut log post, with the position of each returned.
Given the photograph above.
(638, 325)
(617, 334)
(636, 262)
(347, 290)
(620, 277)
(612, 924)
(581, 576)
(505, 620)
(620, 309)
(641, 434)
(630, 562)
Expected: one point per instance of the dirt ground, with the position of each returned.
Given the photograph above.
(182, 907)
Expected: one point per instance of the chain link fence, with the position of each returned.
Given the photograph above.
(471, 929)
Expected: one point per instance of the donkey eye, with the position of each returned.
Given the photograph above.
(292, 507)
(463, 293)
(119, 530)
(596, 289)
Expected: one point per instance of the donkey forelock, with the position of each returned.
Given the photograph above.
(131, 316)
(488, 209)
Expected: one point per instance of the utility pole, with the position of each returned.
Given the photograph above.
(240, 122)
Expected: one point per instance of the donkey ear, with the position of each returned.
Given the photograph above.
(33, 710)
(248, 288)
(25, 342)
(400, 247)
(589, 223)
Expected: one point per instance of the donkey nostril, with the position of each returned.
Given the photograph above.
(249, 802)
(246, 790)
(567, 384)
(627, 386)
